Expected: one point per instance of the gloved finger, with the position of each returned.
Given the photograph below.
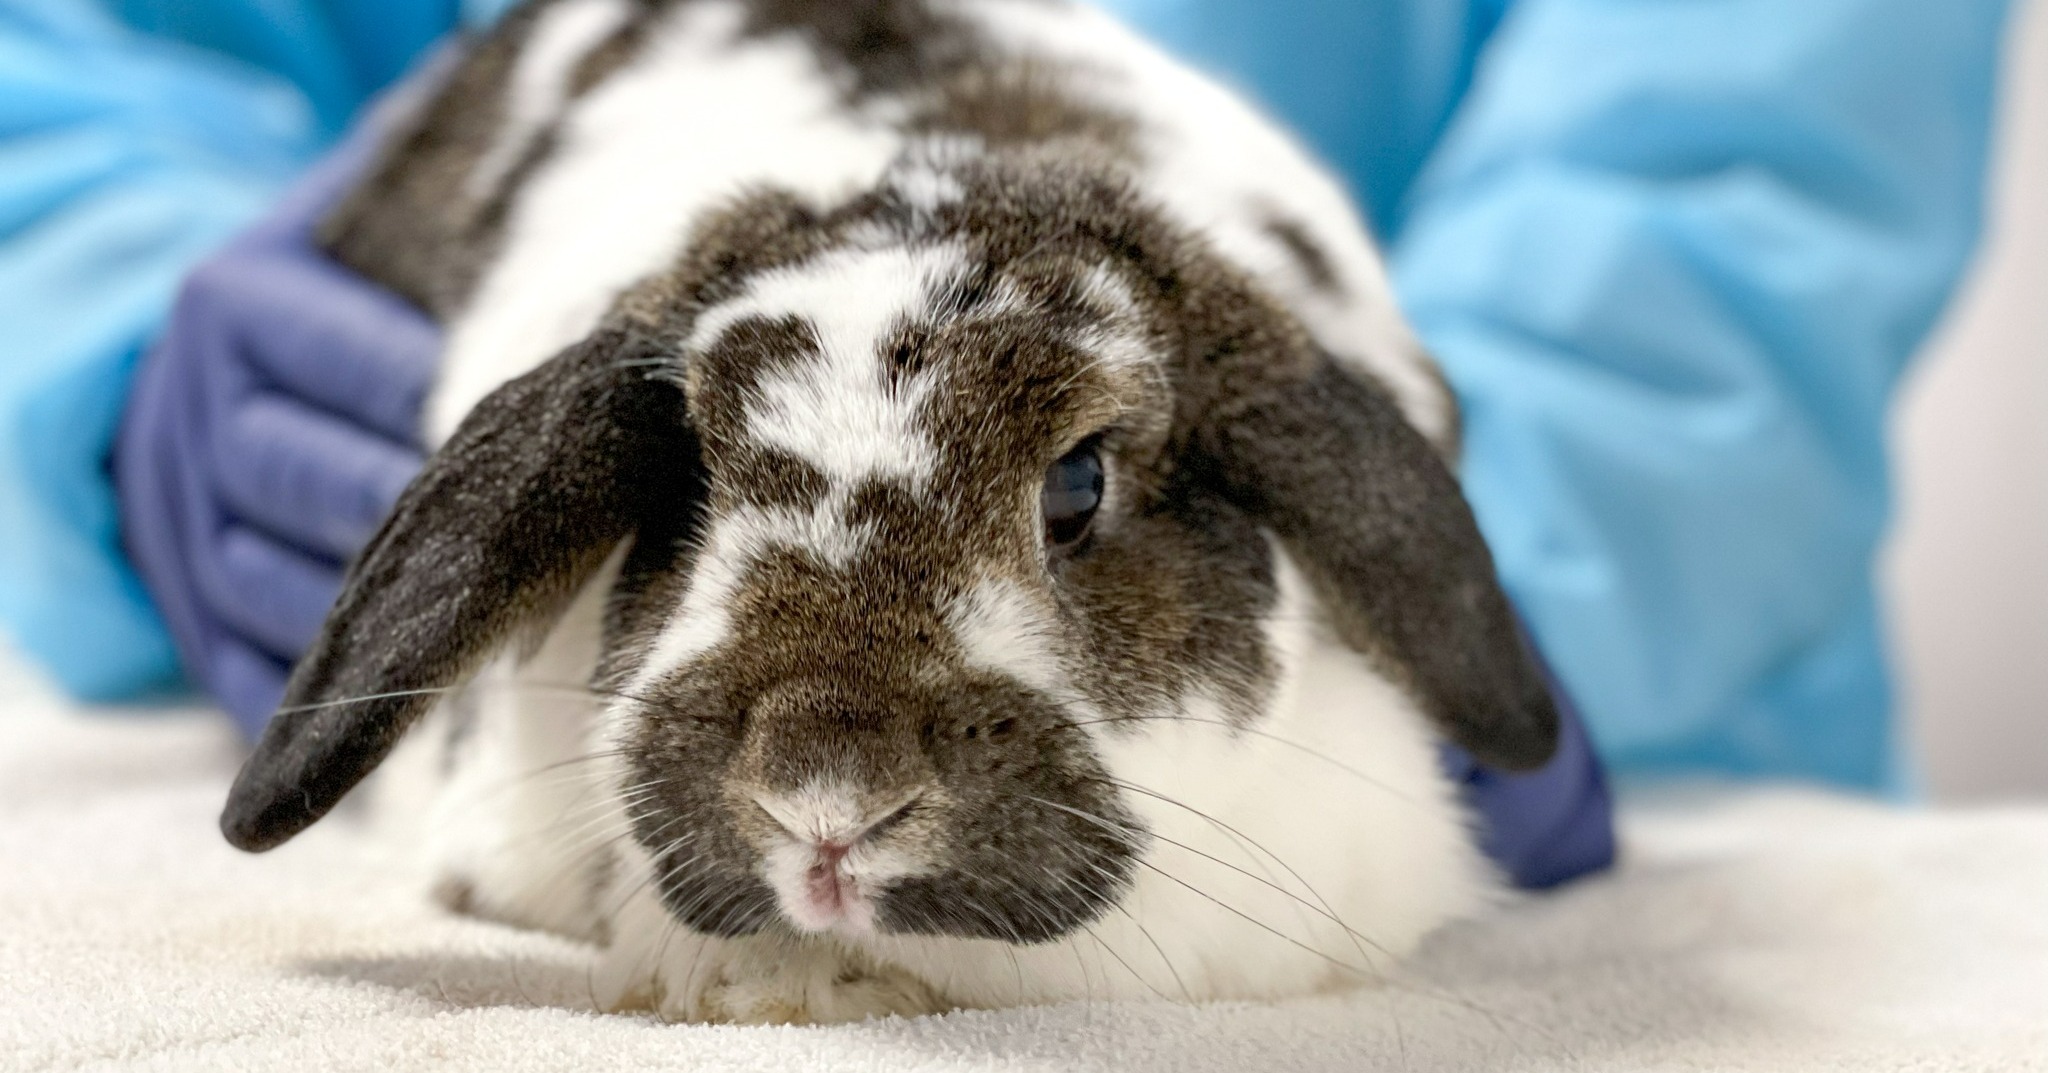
(306, 477)
(174, 549)
(318, 331)
(152, 475)
(271, 596)
(247, 682)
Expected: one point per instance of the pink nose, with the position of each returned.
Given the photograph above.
(823, 884)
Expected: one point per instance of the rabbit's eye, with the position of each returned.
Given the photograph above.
(1073, 491)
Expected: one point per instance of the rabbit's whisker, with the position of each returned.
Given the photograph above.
(1241, 728)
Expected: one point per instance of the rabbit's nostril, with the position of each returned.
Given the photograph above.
(882, 826)
(830, 820)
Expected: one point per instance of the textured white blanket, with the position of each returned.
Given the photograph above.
(1770, 931)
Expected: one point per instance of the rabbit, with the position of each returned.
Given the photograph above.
(999, 529)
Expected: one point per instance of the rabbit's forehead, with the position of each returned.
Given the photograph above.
(796, 363)
(882, 418)
(897, 362)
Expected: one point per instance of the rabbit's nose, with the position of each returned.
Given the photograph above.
(834, 818)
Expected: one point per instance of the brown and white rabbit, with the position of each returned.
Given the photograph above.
(979, 468)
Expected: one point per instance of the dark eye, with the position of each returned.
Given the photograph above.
(1073, 490)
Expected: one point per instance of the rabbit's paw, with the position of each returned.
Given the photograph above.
(752, 980)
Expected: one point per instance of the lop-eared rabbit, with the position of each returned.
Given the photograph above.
(934, 505)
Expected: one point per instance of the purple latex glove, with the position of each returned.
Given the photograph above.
(1547, 826)
(267, 434)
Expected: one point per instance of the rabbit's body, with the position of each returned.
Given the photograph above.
(1255, 806)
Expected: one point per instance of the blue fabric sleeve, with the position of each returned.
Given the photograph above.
(335, 53)
(1674, 257)
(125, 157)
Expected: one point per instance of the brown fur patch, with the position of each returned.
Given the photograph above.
(1308, 254)
(408, 224)
(1010, 103)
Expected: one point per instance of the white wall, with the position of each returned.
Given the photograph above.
(1968, 569)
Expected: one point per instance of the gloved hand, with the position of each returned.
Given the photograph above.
(266, 435)
(1547, 826)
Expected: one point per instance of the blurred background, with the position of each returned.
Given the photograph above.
(1967, 568)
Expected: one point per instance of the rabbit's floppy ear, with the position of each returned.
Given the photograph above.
(1379, 525)
(541, 481)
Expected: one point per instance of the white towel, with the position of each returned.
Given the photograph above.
(1762, 931)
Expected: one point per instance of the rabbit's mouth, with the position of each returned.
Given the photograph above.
(970, 808)
(831, 896)
(836, 851)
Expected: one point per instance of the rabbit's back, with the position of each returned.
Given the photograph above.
(577, 148)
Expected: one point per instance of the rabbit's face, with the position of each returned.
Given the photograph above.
(936, 560)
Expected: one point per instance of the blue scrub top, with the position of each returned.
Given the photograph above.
(1673, 256)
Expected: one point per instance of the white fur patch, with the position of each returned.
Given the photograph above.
(1001, 628)
(1101, 287)
(1119, 344)
(562, 35)
(926, 187)
(751, 532)
(924, 176)
(1117, 351)
(692, 122)
(527, 812)
(841, 410)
